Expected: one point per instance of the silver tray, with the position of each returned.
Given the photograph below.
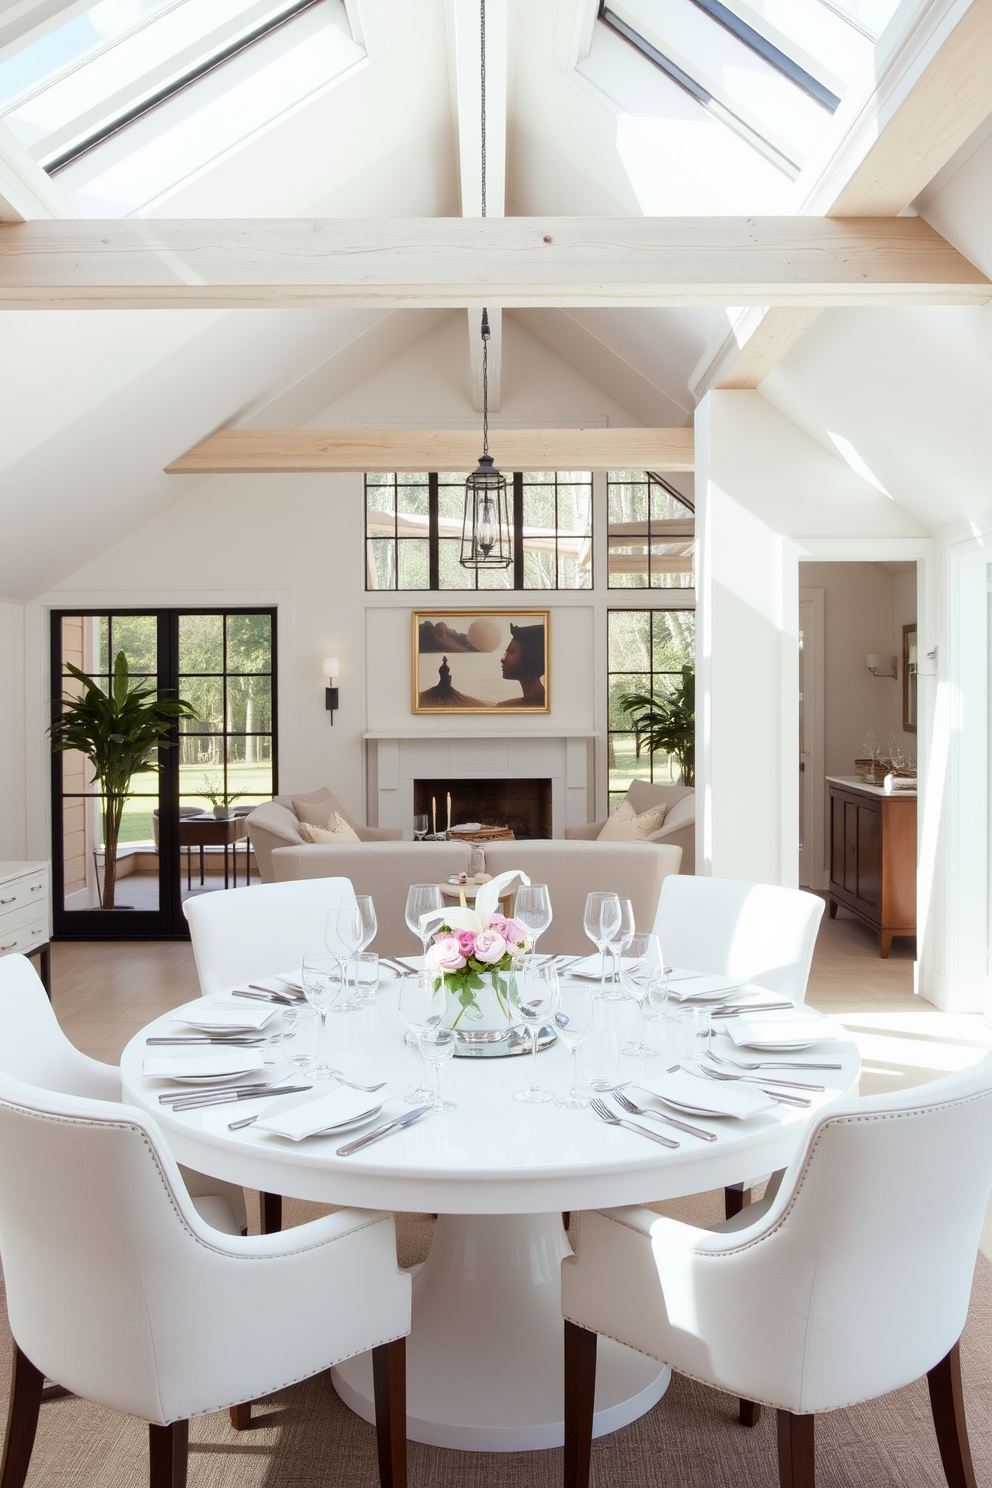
(517, 1043)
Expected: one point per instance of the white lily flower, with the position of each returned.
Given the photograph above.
(476, 919)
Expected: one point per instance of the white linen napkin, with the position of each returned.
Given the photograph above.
(323, 1114)
(218, 1063)
(704, 987)
(723, 1097)
(228, 1016)
(766, 1030)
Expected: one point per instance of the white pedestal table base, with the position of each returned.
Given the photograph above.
(484, 1358)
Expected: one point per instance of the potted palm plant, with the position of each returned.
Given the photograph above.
(118, 731)
(665, 723)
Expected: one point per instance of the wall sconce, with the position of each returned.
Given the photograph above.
(875, 665)
(331, 668)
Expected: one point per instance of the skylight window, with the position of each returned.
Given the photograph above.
(75, 86)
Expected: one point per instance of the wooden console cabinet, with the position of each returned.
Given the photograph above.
(873, 857)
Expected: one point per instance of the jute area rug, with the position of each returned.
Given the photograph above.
(305, 1438)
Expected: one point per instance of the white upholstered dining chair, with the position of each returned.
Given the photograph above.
(33, 1048)
(119, 1290)
(758, 932)
(240, 935)
(827, 1295)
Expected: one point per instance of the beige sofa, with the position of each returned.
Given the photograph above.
(385, 870)
(275, 824)
(678, 828)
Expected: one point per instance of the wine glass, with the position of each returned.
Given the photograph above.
(437, 1046)
(421, 822)
(322, 983)
(643, 979)
(422, 899)
(369, 922)
(421, 1008)
(540, 1001)
(296, 1036)
(618, 943)
(343, 933)
(532, 908)
(573, 1021)
(600, 921)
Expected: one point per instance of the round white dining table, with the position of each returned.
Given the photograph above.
(485, 1350)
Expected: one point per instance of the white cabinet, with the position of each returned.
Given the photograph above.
(26, 911)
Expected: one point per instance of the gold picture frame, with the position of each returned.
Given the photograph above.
(481, 661)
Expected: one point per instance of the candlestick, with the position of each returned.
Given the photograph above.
(449, 811)
(433, 816)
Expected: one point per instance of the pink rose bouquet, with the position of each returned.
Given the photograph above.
(477, 947)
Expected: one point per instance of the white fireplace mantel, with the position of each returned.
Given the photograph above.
(396, 760)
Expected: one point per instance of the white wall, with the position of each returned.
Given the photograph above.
(13, 816)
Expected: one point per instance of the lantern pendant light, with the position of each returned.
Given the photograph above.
(486, 541)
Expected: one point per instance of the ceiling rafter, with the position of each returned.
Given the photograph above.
(454, 262)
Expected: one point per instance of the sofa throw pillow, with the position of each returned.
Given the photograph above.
(627, 825)
(337, 830)
(316, 809)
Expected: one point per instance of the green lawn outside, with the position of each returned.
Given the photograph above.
(253, 781)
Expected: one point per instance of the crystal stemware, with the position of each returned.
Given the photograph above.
(538, 1005)
(600, 921)
(422, 899)
(322, 983)
(573, 1021)
(421, 823)
(643, 979)
(532, 908)
(369, 922)
(617, 944)
(343, 933)
(437, 1046)
(421, 1008)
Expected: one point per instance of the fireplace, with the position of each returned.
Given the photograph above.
(525, 806)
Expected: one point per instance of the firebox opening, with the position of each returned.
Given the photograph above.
(522, 805)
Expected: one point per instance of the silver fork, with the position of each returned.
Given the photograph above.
(757, 1079)
(771, 1064)
(605, 1114)
(628, 1105)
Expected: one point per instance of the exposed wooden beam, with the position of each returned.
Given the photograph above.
(248, 451)
(450, 262)
(466, 51)
(896, 147)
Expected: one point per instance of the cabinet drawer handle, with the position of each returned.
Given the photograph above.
(10, 947)
(11, 900)
(37, 888)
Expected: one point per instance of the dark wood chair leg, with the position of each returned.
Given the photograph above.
(580, 1396)
(241, 1416)
(795, 1451)
(749, 1413)
(389, 1388)
(26, 1384)
(271, 1213)
(947, 1404)
(566, 1218)
(735, 1198)
(168, 1454)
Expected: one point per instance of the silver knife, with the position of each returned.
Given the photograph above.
(222, 1039)
(195, 1101)
(380, 1131)
(734, 1010)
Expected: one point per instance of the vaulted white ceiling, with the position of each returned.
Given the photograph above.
(93, 405)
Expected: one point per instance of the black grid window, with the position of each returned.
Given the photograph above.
(650, 534)
(413, 532)
(226, 672)
(646, 650)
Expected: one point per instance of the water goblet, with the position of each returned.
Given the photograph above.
(643, 977)
(422, 899)
(437, 1046)
(617, 944)
(573, 1023)
(370, 924)
(600, 921)
(297, 1028)
(532, 909)
(538, 1005)
(322, 984)
(421, 823)
(366, 977)
(343, 933)
(421, 1008)
(601, 1059)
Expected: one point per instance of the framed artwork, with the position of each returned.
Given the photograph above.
(481, 661)
(909, 678)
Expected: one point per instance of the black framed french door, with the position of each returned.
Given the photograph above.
(172, 843)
